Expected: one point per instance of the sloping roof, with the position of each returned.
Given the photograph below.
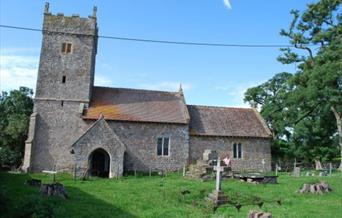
(224, 121)
(97, 124)
(137, 105)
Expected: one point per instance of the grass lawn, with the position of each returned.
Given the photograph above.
(156, 197)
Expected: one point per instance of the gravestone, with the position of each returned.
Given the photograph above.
(217, 196)
(209, 155)
(296, 171)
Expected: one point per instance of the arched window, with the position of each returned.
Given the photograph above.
(237, 150)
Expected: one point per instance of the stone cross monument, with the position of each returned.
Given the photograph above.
(217, 196)
(218, 170)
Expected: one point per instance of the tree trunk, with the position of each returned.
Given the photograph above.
(338, 117)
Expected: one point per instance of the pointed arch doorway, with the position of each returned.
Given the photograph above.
(99, 163)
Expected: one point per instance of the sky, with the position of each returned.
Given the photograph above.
(209, 75)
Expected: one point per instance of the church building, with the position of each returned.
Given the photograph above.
(79, 127)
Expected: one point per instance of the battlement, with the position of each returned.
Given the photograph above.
(73, 24)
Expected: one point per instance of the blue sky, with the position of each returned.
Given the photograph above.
(210, 75)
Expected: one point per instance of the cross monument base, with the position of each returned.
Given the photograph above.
(218, 197)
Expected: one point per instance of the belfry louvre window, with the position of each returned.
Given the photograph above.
(66, 48)
(237, 150)
(163, 146)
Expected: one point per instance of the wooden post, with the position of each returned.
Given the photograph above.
(184, 170)
(75, 172)
(276, 166)
(117, 172)
(150, 172)
(54, 175)
(135, 171)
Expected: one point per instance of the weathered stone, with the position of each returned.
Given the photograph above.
(209, 155)
(296, 171)
(54, 189)
(254, 150)
(217, 198)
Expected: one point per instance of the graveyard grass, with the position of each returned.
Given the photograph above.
(144, 196)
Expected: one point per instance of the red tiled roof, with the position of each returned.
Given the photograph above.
(224, 121)
(137, 105)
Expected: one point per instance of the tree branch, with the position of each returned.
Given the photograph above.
(307, 114)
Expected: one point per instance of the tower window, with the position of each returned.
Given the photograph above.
(63, 79)
(62, 103)
(66, 48)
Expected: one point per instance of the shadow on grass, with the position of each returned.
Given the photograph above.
(79, 204)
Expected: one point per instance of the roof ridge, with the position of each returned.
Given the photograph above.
(136, 90)
(223, 107)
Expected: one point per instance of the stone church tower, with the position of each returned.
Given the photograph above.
(103, 131)
(64, 85)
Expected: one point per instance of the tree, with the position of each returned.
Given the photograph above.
(271, 98)
(304, 109)
(15, 110)
(318, 81)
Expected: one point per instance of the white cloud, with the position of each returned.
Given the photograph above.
(166, 86)
(102, 81)
(19, 50)
(18, 70)
(236, 91)
(227, 4)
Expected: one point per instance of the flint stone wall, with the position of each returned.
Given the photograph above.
(77, 66)
(253, 151)
(57, 128)
(141, 144)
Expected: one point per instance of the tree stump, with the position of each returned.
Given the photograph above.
(258, 214)
(318, 188)
(54, 189)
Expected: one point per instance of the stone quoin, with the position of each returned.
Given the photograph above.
(79, 127)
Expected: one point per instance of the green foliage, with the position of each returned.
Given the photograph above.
(15, 110)
(8, 157)
(301, 108)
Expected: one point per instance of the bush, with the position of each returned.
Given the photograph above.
(8, 157)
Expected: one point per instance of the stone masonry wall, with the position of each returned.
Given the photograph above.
(99, 136)
(57, 128)
(141, 145)
(77, 66)
(253, 151)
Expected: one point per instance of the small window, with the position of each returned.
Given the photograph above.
(63, 79)
(66, 48)
(62, 103)
(163, 146)
(237, 150)
(160, 147)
